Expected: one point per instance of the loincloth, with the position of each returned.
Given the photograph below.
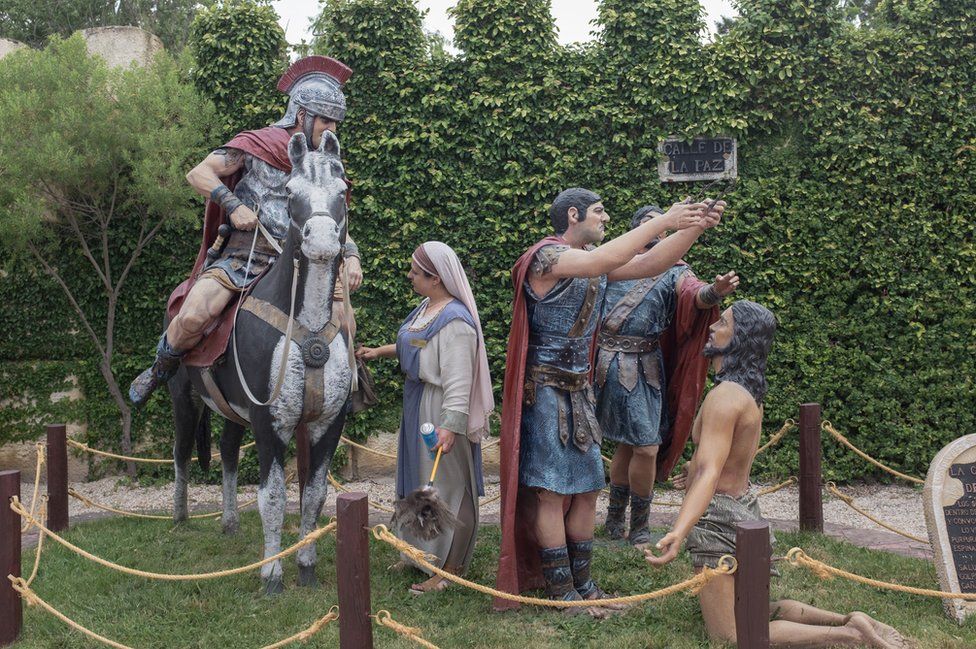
(714, 533)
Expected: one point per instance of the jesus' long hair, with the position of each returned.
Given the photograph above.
(744, 358)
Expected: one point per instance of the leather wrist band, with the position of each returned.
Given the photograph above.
(350, 249)
(708, 296)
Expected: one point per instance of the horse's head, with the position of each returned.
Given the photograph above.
(317, 196)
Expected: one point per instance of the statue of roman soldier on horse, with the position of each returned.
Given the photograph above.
(262, 330)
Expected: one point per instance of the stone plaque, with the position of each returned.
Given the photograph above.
(950, 515)
(704, 158)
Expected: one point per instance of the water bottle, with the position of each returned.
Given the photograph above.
(429, 434)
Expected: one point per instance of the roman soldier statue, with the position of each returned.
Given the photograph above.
(244, 181)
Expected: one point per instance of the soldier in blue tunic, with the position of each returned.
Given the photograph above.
(631, 381)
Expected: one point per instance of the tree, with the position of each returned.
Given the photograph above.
(91, 165)
(33, 21)
(240, 51)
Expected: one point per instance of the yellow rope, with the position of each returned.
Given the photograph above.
(159, 517)
(375, 505)
(778, 487)
(491, 444)
(827, 426)
(156, 517)
(37, 483)
(727, 566)
(488, 501)
(40, 544)
(32, 599)
(145, 460)
(850, 503)
(348, 441)
(775, 439)
(411, 633)
(305, 636)
(798, 557)
(310, 538)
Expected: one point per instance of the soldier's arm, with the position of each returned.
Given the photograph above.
(354, 268)
(206, 179)
(573, 262)
(206, 176)
(667, 253)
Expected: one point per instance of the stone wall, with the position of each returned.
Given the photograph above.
(7, 46)
(122, 46)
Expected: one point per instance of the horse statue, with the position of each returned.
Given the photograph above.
(286, 349)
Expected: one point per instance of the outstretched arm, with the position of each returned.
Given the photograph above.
(711, 294)
(719, 412)
(613, 254)
(372, 353)
(667, 253)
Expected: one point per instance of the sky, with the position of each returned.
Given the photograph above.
(572, 17)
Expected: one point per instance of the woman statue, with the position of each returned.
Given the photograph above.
(441, 350)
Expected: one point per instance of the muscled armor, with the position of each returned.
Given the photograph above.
(560, 433)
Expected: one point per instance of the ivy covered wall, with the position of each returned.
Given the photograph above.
(851, 221)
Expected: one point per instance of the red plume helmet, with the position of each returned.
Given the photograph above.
(321, 64)
(315, 84)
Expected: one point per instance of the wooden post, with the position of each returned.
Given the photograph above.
(57, 478)
(11, 606)
(352, 571)
(301, 456)
(811, 480)
(752, 585)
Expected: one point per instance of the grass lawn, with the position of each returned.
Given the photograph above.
(230, 612)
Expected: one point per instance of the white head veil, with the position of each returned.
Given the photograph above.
(448, 267)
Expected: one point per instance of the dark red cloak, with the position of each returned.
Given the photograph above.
(269, 144)
(685, 368)
(518, 561)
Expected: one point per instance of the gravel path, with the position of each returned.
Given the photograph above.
(897, 505)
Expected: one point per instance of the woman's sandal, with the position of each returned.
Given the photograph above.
(435, 584)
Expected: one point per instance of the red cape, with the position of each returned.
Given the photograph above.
(685, 368)
(269, 144)
(518, 562)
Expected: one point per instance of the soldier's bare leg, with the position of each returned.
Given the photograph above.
(202, 305)
(642, 471)
(553, 529)
(205, 301)
(615, 523)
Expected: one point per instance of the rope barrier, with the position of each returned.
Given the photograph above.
(384, 618)
(727, 566)
(159, 517)
(798, 557)
(40, 545)
(311, 537)
(375, 505)
(156, 517)
(349, 442)
(762, 492)
(827, 426)
(306, 635)
(778, 487)
(832, 488)
(33, 599)
(788, 425)
(145, 460)
(37, 483)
